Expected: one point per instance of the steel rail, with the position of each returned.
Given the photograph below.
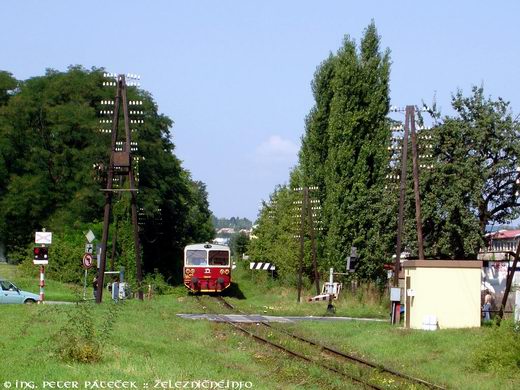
(344, 355)
(288, 351)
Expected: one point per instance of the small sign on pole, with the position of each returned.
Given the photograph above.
(89, 248)
(87, 261)
(90, 236)
(43, 238)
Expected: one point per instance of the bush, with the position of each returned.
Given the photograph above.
(158, 284)
(86, 330)
(499, 351)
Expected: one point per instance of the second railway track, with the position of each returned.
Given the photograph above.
(367, 374)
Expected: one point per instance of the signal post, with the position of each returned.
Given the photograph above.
(41, 257)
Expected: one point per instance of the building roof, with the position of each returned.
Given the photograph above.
(442, 264)
(504, 234)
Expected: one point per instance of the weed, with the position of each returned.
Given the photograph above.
(157, 284)
(499, 350)
(85, 332)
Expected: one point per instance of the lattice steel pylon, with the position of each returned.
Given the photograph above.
(409, 130)
(308, 209)
(120, 165)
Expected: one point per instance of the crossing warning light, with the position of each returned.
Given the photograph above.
(41, 253)
(352, 260)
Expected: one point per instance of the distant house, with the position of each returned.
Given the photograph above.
(497, 258)
(225, 231)
(502, 241)
(247, 232)
(252, 235)
(221, 241)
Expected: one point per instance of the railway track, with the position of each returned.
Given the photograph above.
(404, 380)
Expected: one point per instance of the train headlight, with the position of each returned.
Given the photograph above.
(222, 271)
(226, 272)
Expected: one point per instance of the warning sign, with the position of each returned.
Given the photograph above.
(87, 261)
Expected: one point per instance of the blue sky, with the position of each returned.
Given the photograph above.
(235, 75)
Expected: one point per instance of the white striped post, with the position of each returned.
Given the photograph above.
(42, 283)
(263, 267)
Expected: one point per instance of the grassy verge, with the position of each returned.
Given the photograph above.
(150, 343)
(442, 357)
(54, 291)
(257, 292)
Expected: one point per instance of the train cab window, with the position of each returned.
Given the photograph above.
(196, 258)
(219, 258)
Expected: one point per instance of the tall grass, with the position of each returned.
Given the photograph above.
(499, 349)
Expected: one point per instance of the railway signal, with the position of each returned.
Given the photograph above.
(352, 260)
(41, 257)
(41, 254)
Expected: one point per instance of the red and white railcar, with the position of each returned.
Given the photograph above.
(207, 267)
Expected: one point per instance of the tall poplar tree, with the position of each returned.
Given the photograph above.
(358, 135)
(344, 153)
(314, 149)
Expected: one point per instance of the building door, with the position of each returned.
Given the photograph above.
(408, 303)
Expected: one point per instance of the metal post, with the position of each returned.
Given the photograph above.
(313, 246)
(134, 198)
(402, 187)
(114, 241)
(330, 290)
(410, 111)
(509, 282)
(108, 197)
(42, 283)
(85, 286)
(302, 230)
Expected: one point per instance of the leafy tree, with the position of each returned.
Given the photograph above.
(239, 243)
(233, 222)
(8, 86)
(274, 240)
(344, 153)
(358, 134)
(472, 184)
(49, 141)
(314, 150)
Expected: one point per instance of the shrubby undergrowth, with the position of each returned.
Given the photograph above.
(499, 350)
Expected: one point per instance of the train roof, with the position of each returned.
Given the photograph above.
(207, 245)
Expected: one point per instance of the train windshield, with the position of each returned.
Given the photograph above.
(195, 257)
(219, 258)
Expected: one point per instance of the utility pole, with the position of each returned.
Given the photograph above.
(120, 163)
(509, 282)
(307, 214)
(409, 127)
(302, 242)
(410, 112)
(311, 214)
(400, 218)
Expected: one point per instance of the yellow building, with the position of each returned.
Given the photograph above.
(442, 294)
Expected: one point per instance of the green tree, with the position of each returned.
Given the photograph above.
(472, 184)
(314, 150)
(49, 141)
(239, 244)
(274, 240)
(344, 153)
(358, 135)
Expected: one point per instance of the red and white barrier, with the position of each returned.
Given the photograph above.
(318, 298)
